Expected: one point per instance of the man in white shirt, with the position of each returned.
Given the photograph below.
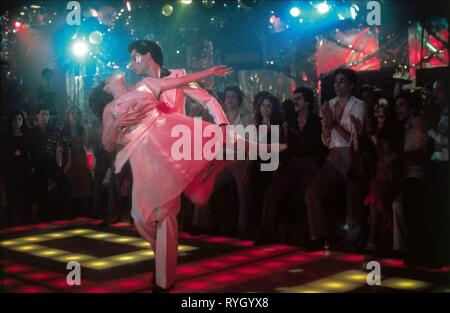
(342, 119)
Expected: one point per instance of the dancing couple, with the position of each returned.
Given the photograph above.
(142, 119)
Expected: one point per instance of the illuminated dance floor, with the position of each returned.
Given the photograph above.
(114, 259)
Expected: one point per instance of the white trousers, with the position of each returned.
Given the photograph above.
(163, 236)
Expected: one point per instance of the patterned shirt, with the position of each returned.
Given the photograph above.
(45, 142)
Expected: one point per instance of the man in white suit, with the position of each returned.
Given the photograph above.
(161, 228)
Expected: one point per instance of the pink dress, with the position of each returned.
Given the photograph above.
(158, 176)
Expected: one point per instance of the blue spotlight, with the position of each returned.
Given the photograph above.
(323, 7)
(80, 49)
(295, 12)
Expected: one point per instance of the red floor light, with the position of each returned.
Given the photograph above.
(18, 229)
(297, 258)
(355, 258)
(218, 239)
(120, 225)
(242, 243)
(224, 278)
(40, 276)
(43, 225)
(193, 286)
(62, 285)
(14, 269)
(8, 282)
(392, 263)
(187, 270)
(132, 283)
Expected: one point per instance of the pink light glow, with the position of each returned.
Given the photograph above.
(187, 270)
(218, 239)
(224, 278)
(13, 269)
(40, 276)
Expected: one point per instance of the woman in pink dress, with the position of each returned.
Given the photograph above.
(158, 176)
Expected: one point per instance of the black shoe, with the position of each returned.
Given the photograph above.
(315, 245)
(157, 289)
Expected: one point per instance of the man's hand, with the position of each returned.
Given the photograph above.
(356, 124)
(326, 116)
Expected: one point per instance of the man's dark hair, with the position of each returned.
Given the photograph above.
(46, 71)
(147, 46)
(308, 96)
(98, 99)
(349, 74)
(237, 91)
(367, 87)
(42, 107)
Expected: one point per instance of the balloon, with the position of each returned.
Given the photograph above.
(167, 10)
(95, 37)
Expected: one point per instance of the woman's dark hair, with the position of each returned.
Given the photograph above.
(98, 99)
(10, 118)
(258, 97)
(308, 96)
(349, 74)
(237, 91)
(413, 100)
(66, 124)
(276, 118)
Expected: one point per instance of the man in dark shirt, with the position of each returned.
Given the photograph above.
(51, 153)
(304, 155)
